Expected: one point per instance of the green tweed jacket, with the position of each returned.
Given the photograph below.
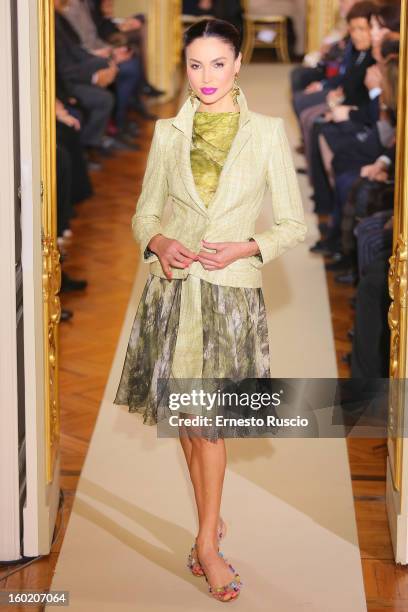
(259, 158)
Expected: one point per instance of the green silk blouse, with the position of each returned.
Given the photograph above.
(212, 137)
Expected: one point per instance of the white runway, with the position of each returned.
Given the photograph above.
(287, 502)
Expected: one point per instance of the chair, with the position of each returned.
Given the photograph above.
(254, 23)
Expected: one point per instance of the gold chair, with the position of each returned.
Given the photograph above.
(254, 23)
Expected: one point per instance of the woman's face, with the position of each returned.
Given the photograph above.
(359, 29)
(377, 33)
(211, 67)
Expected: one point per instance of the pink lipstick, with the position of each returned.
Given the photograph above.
(208, 90)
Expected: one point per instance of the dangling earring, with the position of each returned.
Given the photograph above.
(191, 94)
(235, 90)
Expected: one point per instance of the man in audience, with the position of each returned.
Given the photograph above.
(78, 14)
(134, 29)
(86, 78)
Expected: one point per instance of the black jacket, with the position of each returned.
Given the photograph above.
(355, 91)
(73, 63)
(105, 26)
(367, 114)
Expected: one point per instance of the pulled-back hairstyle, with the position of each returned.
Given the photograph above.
(390, 93)
(217, 28)
(390, 44)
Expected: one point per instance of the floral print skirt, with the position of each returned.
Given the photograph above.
(234, 342)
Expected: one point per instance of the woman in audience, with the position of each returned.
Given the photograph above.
(346, 149)
(371, 334)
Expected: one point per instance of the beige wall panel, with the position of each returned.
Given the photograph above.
(124, 8)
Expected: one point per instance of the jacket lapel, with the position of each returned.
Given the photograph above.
(184, 122)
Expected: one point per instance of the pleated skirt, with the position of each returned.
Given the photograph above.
(235, 342)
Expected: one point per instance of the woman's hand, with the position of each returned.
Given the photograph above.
(102, 52)
(388, 225)
(375, 172)
(130, 23)
(122, 54)
(335, 96)
(171, 253)
(313, 87)
(64, 116)
(373, 77)
(342, 112)
(226, 253)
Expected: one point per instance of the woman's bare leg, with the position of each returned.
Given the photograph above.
(187, 447)
(207, 467)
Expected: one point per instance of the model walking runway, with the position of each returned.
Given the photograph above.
(287, 502)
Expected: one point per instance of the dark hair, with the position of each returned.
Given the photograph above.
(217, 28)
(389, 16)
(390, 44)
(390, 80)
(361, 9)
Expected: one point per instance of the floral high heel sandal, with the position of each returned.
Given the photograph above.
(193, 563)
(233, 587)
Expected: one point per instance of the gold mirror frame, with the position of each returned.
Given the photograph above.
(397, 276)
(51, 269)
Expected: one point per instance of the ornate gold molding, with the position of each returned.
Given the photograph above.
(397, 276)
(50, 254)
(397, 320)
(164, 44)
(321, 16)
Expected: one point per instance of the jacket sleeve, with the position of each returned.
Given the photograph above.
(146, 222)
(289, 228)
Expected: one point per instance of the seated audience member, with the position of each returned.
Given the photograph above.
(371, 338)
(86, 78)
(384, 23)
(351, 91)
(133, 28)
(73, 187)
(351, 150)
(68, 138)
(312, 80)
(351, 73)
(372, 220)
(78, 13)
(311, 68)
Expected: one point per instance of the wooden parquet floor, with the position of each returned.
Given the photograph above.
(103, 251)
